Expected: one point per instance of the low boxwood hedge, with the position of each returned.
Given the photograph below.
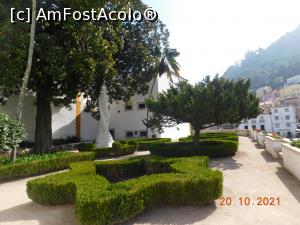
(142, 144)
(117, 149)
(40, 166)
(213, 136)
(211, 148)
(90, 185)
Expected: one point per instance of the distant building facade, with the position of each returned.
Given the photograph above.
(293, 80)
(280, 119)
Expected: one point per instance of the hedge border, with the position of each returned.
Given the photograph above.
(211, 148)
(143, 143)
(98, 201)
(32, 168)
(118, 149)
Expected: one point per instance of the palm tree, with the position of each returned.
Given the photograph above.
(27, 71)
(167, 65)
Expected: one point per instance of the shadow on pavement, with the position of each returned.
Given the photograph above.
(290, 182)
(270, 158)
(225, 164)
(177, 215)
(45, 215)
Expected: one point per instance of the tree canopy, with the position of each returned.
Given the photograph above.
(208, 103)
(72, 57)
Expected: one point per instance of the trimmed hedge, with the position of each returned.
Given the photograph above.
(99, 201)
(31, 168)
(142, 144)
(211, 148)
(118, 149)
(213, 136)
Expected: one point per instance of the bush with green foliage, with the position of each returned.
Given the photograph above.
(212, 148)
(39, 164)
(296, 144)
(12, 133)
(117, 149)
(143, 143)
(32, 157)
(90, 185)
(214, 136)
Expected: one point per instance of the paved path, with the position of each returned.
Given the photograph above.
(251, 173)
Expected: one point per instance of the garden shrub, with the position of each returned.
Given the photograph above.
(213, 136)
(143, 143)
(99, 201)
(12, 133)
(122, 150)
(296, 144)
(118, 149)
(86, 147)
(211, 148)
(40, 166)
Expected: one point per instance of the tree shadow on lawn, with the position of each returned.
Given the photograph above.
(45, 215)
(177, 215)
(225, 164)
(291, 182)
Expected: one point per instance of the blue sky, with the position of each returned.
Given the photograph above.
(213, 34)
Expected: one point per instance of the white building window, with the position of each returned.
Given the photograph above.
(276, 117)
(143, 133)
(141, 106)
(128, 107)
(277, 125)
(129, 134)
(288, 124)
(275, 110)
(287, 117)
(286, 109)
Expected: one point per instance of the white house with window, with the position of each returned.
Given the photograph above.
(261, 122)
(127, 118)
(125, 122)
(284, 120)
(281, 120)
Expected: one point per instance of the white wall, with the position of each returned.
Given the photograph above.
(281, 123)
(63, 120)
(29, 113)
(262, 119)
(275, 122)
(122, 120)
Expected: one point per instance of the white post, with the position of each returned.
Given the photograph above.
(104, 138)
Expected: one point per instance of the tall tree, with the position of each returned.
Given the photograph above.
(205, 104)
(167, 65)
(27, 73)
(75, 57)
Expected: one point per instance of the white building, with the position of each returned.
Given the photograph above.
(126, 120)
(284, 120)
(261, 122)
(281, 120)
(293, 80)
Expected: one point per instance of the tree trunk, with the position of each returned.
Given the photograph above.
(29, 63)
(13, 154)
(196, 136)
(43, 127)
(150, 96)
